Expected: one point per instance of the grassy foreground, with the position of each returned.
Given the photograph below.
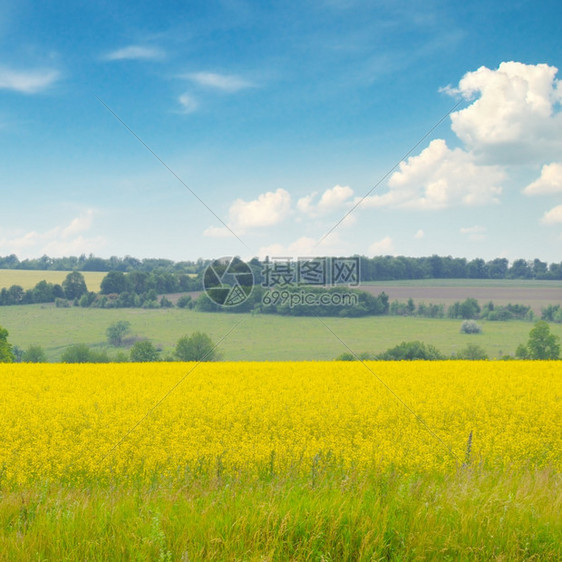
(471, 514)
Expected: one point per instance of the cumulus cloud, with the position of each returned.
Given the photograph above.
(554, 216)
(380, 247)
(188, 103)
(27, 81)
(515, 117)
(332, 199)
(439, 178)
(224, 82)
(135, 52)
(267, 210)
(58, 241)
(550, 181)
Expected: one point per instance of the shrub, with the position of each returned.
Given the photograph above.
(197, 347)
(411, 351)
(144, 352)
(62, 303)
(81, 353)
(34, 354)
(185, 302)
(471, 327)
(472, 352)
(117, 331)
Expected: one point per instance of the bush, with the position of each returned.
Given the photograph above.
(197, 347)
(62, 303)
(34, 354)
(144, 352)
(363, 356)
(117, 331)
(185, 302)
(470, 327)
(411, 351)
(81, 353)
(471, 352)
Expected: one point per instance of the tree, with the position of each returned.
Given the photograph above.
(6, 354)
(34, 354)
(74, 285)
(472, 352)
(117, 331)
(81, 353)
(144, 352)
(542, 343)
(114, 282)
(411, 351)
(197, 347)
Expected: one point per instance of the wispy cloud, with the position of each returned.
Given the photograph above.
(475, 232)
(135, 52)
(27, 81)
(59, 241)
(188, 103)
(225, 82)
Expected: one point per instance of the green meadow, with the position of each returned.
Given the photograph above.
(253, 337)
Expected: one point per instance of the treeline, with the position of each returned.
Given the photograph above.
(118, 290)
(379, 268)
(389, 268)
(470, 309)
(93, 263)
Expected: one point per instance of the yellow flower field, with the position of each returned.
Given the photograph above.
(75, 422)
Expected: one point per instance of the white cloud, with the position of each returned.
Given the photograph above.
(306, 246)
(27, 81)
(554, 216)
(439, 178)
(135, 52)
(267, 210)
(79, 224)
(514, 118)
(332, 199)
(224, 82)
(550, 181)
(56, 242)
(188, 103)
(419, 234)
(382, 247)
(475, 232)
(217, 232)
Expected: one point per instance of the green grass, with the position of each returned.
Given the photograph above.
(472, 514)
(257, 337)
(28, 279)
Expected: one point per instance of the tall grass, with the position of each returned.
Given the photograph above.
(471, 514)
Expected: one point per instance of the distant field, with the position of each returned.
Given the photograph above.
(28, 279)
(536, 294)
(257, 337)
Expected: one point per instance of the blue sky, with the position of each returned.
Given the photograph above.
(281, 117)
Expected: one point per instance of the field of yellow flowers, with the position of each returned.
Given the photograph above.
(77, 422)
